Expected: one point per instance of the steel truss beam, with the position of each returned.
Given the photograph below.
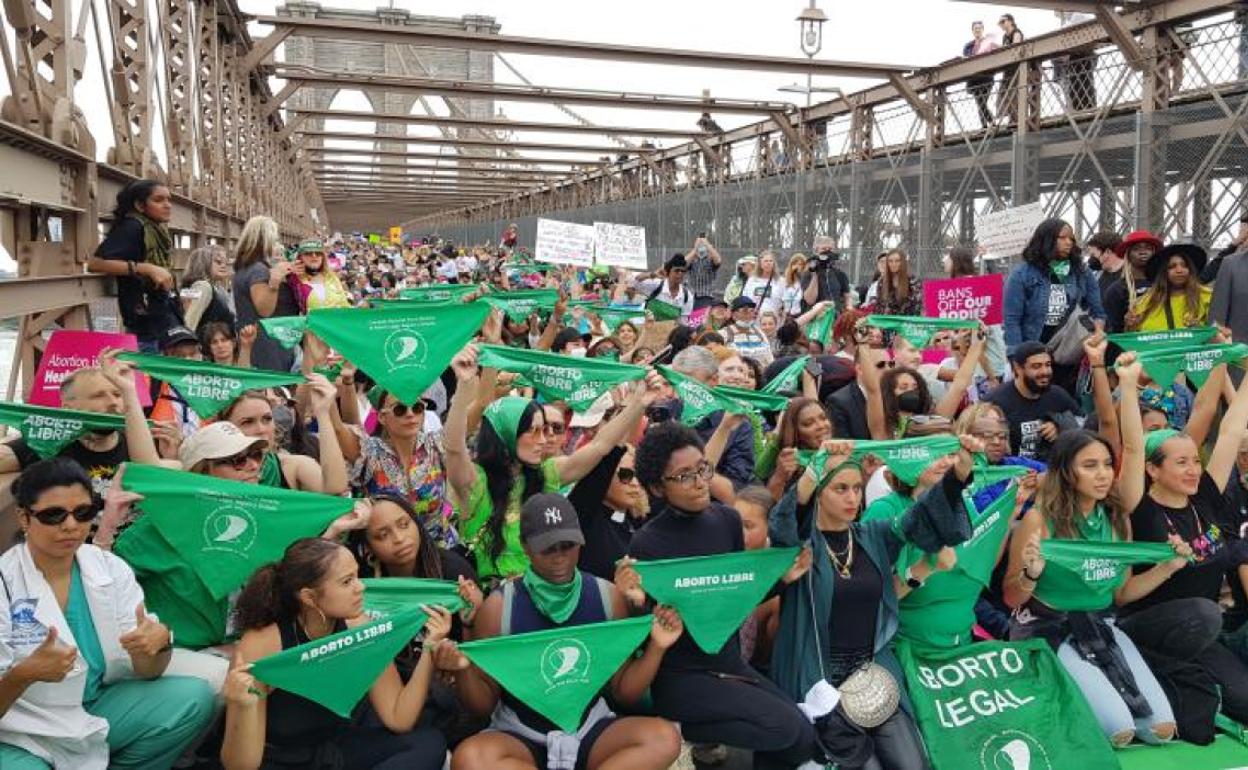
(468, 143)
(420, 184)
(457, 39)
(570, 163)
(492, 125)
(452, 172)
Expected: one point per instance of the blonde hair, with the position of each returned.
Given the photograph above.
(256, 242)
(790, 270)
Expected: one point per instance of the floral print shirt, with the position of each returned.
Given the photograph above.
(422, 483)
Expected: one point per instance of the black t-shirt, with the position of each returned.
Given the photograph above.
(832, 281)
(146, 310)
(1208, 524)
(607, 532)
(1116, 301)
(852, 621)
(1026, 415)
(100, 466)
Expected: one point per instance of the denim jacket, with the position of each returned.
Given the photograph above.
(1027, 301)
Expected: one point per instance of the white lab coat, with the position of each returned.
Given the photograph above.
(49, 720)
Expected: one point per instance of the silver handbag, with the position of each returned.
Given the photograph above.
(869, 696)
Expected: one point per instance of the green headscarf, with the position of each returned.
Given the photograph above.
(1154, 440)
(504, 416)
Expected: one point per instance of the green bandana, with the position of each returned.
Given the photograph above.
(715, 594)
(907, 458)
(330, 372)
(286, 330)
(612, 317)
(1146, 341)
(47, 430)
(519, 305)
(311, 246)
(157, 242)
(403, 348)
(820, 329)
(337, 670)
(504, 416)
(698, 400)
(1164, 364)
(395, 595)
(438, 293)
(526, 268)
(226, 529)
(789, 378)
(987, 475)
(207, 388)
(1060, 268)
(916, 330)
(1154, 440)
(271, 470)
(1001, 706)
(663, 311)
(1082, 575)
(558, 672)
(556, 601)
(576, 381)
(756, 399)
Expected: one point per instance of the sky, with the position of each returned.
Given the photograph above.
(914, 32)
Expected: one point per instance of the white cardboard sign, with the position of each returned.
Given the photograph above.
(564, 243)
(1005, 233)
(621, 245)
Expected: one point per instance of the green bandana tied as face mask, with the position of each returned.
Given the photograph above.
(697, 399)
(1082, 575)
(907, 458)
(286, 331)
(789, 378)
(558, 672)
(403, 348)
(576, 381)
(1164, 364)
(519, 305)
(1173, 338)
(757, 399)
(916, 330)
(504, 416)
(663, 311)
(438, 293)
(47, 430)
(714, 594)
(820, 329)
(207, 388)
(556, 601)
(337, 670)
(397, 595)
(999, 706)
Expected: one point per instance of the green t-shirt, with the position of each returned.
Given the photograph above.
(511, 561)
(78, 616)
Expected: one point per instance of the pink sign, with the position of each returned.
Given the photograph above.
(978, 296)
(935, 355)
(698, 317)
(69, 350)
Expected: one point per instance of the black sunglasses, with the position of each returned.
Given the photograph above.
(401, 410)
(239, 461)
(52, 517)
(626, 475)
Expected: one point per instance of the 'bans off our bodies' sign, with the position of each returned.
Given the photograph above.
(978, 296)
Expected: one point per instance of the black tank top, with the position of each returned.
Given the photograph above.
(295, 726)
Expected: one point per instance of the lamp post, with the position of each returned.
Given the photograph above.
(811, 20)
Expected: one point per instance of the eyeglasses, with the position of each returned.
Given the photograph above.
(240, 460)
(885, 364)
(626, 475)
(703, 472)
(52, 517)
(401, 410)
(991, 435)
(551, 428)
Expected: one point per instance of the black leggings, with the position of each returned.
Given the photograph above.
(743, 709)
(369, 747)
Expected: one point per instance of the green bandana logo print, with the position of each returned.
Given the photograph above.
(230, 528)
(286, 331)
(565, 662)
(405, 348)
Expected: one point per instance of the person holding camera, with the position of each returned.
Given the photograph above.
(825, 282)
(704, 260)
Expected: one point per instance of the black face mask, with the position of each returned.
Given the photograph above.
(911, 401)
(313, 270)
(101, 433)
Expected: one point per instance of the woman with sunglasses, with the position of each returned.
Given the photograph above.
(508, 466)
(402, 458)
(612, 506)
(82, 661)
(313, 282)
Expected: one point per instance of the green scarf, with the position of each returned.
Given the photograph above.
(207, 388)
(48, 430)
(576, 381)
(918, 331)
(1154, 440)
(698, 400)
(789, 378)
(758, 399)
(519, 305)
(1164, 364)
(1060, 268)
(907, 458)
(271, 471)
(556, 601)
(286, 330)
(820, 329)
(1147, 341)
(394, 595)
(662, 310)
(157, 242)
(504, 416)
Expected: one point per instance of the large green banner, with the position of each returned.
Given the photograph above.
(715, 594)
(1002, 706)
(558, 672)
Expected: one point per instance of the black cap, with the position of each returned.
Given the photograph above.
(176, 335)
(743, 302)
(548, 519)
(1026, 350)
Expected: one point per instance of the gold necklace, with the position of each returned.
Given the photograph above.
(842, 567)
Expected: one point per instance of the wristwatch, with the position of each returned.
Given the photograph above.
(912, 582)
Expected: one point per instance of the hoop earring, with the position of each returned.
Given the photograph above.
(324, 620)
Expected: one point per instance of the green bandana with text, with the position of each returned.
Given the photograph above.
(1142, 341)
(519, 305)
(207, 388)
(1164, 364)
(578, 382)
(916, 330)
(756, 399)
(438, 293)
(698, 400)
(1082, 575)
(287, 331)
(47, 430)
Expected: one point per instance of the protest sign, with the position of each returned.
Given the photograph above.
(1005, 233)
(564, 243)
(69, 350)
(620, 245)
(975, 297)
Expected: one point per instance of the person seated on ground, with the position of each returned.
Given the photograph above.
(612, 506)
(82, 664)
(507, 466)
(804, 426)
(1078, 500)
(314, 591)
(717, 699)
(737, 462)
(554, 593)
(106, 389)
(758, 632)
(1036, 409)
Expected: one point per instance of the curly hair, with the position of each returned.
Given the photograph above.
(1042, 247)
(271, 595)
(787, 429)
(658, 446)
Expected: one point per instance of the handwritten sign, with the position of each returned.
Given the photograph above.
(979, 297)
(68, 351)
(621, 245)
(564, 243)
(1005, 233)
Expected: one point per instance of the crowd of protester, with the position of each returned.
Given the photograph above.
(541, 516)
